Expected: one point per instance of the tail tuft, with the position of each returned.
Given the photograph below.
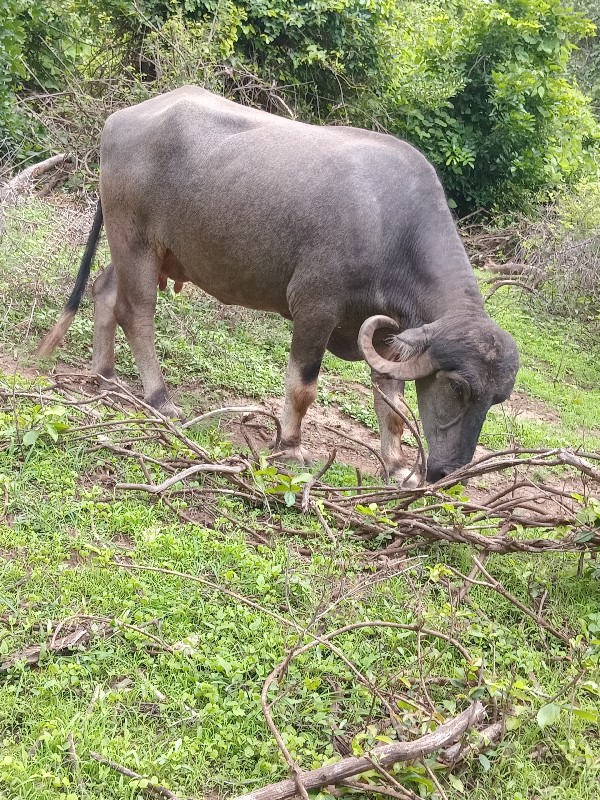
(55, 336)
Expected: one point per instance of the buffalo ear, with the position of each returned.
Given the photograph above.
(410, 343)
(409, 349)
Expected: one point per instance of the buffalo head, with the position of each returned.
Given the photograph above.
(462, 365)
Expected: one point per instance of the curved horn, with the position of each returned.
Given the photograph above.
(412, 367)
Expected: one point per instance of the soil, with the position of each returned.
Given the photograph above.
(324, 430)
(522, 407)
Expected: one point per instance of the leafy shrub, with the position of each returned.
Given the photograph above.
(483, 87)
(39, 44)
(586, 61)
(503, 123)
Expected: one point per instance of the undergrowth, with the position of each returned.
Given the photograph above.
(185, 707)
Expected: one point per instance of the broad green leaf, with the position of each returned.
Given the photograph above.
(485, 762)
(456, 783)
(30, 438)
(548, 714)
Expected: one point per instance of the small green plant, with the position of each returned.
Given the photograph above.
(28, 423)
(272, 481)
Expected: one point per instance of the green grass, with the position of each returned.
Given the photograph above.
(192, 717)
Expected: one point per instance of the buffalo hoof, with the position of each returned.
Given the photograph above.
(172, 411)
(105, 382)
(294, 455)
(402, 476)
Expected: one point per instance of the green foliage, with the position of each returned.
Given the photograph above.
(586, 62)
(190, 716)
(483, 88)
(22, 430)
(11, 41)
(39, 47)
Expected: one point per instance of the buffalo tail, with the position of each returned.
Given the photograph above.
(55, 336)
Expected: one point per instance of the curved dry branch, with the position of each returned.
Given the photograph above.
(246, 410)
(222, 469)
(385, 755)
(20, 181)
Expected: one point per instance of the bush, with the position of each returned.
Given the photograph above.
(586, 61)
(481, 86)
(565, 244)
(39, 47)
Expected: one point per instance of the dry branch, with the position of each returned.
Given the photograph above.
(482, 739)
(21, 181)
(336, 774)
(222, 469)
(492, 583)
(152, 789)
(385, 755)
(509, 521)
(315, 479)
(247, 411)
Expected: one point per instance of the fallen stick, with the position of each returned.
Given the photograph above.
(247, 411)
(152, 788)
(181, 476)
(315, 479)
(21, 180)
(385, 755)
(464, 590)
(492, 583)
(482, 739)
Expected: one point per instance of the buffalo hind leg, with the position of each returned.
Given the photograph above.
(308, 347)
(391, 427)
(105, 326)
(135, 307)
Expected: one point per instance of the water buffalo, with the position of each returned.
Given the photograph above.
(338, 229)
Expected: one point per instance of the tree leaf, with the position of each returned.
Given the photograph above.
(485, 762)
(548, 714)
(456, 783)
(586, 714)
(30, 438)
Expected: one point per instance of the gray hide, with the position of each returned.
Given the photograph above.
(327, 226)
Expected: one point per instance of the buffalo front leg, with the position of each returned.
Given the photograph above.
(137, 276)
(391, 427)
(308, 347)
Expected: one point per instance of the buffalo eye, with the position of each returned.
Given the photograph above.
(457, 389)
(460, 387)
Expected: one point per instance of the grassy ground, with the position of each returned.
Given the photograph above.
(184, 706)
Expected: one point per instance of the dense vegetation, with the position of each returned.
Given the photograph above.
(488, 90)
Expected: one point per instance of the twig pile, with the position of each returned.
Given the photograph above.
(521, 514)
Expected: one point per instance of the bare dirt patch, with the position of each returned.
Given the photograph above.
(522, 407)
(324, 429)
(123, 541)
(13, 554)
(10, 365)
